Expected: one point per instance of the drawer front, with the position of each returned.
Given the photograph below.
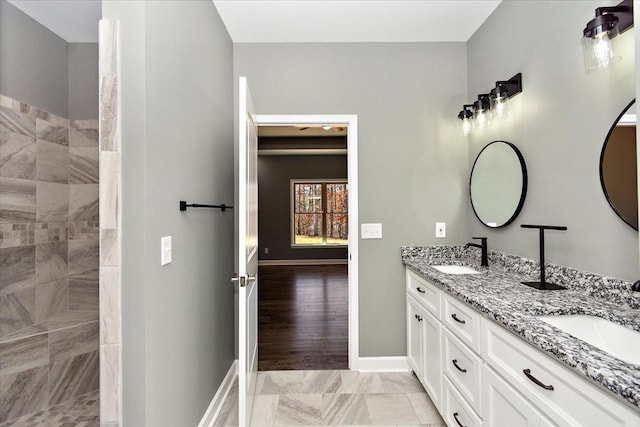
(503, 406)
(464, 369)
(573, 401)
(463, 321)
(426, 293)
(457, 412)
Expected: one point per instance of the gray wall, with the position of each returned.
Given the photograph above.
(83, 81)
(177, 136)
(274, 202)
(559, 122)
(41, 69)
(34, 65)
(412, 163)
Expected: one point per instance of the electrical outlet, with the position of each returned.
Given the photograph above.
(441, 229)
(266, 250)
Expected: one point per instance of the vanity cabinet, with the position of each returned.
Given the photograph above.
(479, 374)
(423, 338)
(564, 397)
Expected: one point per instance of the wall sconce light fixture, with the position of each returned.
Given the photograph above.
(495, 101)
(466, 115)
(599, 35)
(504, 90)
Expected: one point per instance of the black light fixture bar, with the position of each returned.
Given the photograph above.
(607, 16)
(513, 86)
(184, 206)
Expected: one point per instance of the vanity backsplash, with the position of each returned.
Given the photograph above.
(617, 291)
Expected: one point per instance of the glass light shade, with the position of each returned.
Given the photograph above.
(600, 50)
(500, 106)
(481, 117)
(466, 126)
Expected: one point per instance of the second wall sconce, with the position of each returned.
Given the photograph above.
(490, 105)
(599, 35)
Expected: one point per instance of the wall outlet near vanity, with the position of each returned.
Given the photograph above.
(441, 229)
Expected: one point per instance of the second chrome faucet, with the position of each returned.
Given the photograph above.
(483, 247)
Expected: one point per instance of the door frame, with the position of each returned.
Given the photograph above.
(350, 121)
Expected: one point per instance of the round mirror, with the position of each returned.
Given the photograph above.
(498, 184)
(618, 164)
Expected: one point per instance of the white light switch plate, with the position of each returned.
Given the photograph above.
(166, 251)
(441, 229)
(371, 231)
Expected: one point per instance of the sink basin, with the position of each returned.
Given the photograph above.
(455, 269)
(617, 340)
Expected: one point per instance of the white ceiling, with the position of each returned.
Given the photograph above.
(297, 20)
(282, 21)
(76, 21)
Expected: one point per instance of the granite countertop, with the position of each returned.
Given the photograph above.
(497, 293)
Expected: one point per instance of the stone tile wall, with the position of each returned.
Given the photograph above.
(110, 228)
(49, 258)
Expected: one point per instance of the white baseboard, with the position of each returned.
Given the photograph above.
(302, 261)
(383, 364)
(218, 400)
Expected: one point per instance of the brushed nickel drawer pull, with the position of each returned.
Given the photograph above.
(419, 289)
(457, 320)
(455, 363)
(527, 372)
(455, 415)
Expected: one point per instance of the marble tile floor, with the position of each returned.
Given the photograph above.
(83, 411)
(335, 398)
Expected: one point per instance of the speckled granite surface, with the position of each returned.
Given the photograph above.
(497, 293)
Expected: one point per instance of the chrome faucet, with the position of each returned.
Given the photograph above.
(483, 247)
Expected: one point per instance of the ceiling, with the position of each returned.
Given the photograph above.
(299, 21)
(76, 21)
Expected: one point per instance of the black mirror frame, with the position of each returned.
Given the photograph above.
(523, 194)
(604, 147)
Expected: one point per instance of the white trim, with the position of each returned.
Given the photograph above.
(303, 152)
(264, 262)
(384, 364)
(213, 411)
(351, 122)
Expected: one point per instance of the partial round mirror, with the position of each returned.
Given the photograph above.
(498, 184)
(618, 166)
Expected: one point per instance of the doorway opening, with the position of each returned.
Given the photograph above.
(307, 309)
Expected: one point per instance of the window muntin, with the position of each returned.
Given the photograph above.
(319, 214)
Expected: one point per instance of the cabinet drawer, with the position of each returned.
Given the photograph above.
(464, 369)
(463, 321)
(504, 406)
(457, 412)
(572, 402)
(425, 293)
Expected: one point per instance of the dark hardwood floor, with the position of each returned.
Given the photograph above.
(303, 317)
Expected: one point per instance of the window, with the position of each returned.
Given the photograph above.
(319, 213)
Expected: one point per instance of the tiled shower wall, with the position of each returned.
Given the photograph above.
(49, 258)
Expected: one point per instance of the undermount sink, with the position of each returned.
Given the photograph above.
(455, 269)
(617, 340)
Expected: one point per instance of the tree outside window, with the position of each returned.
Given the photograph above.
(319, 213)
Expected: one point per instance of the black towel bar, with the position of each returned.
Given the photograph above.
(184, 206)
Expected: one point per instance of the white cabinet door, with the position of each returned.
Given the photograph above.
(504, 406)
(432, 375)
(415, 322)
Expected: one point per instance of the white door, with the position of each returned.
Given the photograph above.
(247, 254)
